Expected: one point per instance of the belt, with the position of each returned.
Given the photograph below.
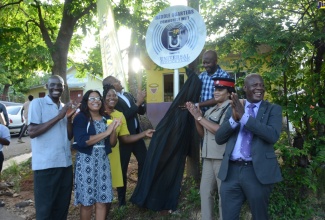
(241, 162)
(98, 146)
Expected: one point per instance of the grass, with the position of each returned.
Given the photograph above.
(15, 173)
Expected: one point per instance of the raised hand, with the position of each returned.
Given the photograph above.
(140, 97)
(196, 112)
(116, 122)
(113, 125)
(72, 109)
(64, 110)
(238, 108)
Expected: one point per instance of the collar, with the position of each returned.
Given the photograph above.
(120, 93)
(49, 101)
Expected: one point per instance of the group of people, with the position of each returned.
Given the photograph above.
(239, 161)
(102, 137)
(238, 155)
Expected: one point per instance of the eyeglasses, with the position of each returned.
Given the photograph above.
(92, 99)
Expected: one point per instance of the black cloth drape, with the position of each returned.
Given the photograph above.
(160, 182)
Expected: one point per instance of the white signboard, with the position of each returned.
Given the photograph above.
(176, 37)
(110, 50)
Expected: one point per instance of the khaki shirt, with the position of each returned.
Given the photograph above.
(210, 149)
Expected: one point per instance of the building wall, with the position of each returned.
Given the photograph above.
(36, 92)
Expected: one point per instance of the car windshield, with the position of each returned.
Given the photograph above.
(13, 110)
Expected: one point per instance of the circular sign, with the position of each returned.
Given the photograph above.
(175, 37)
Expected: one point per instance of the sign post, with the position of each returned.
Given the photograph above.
(175, 38)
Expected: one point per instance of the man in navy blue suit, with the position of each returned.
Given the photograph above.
(249, 167)
(130, 107)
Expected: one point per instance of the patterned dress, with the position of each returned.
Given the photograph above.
(93, 181)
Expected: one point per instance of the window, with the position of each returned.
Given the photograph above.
(169, 86)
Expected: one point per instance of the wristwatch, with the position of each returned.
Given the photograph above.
(199, 118)
(197, 105)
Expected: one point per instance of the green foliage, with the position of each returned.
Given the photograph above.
(16, 172)
(190, 201)
(37, 35)
(294, 197)
(137, 15)
(120, 213)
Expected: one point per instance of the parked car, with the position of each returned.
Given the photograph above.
(10, 103)
(14, 114)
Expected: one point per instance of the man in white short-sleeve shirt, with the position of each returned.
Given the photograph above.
(50, 129)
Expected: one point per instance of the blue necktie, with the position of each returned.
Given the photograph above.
(245, 149)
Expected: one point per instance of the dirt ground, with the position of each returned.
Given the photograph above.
(22, 203)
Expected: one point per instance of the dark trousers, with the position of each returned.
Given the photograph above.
(52, 191)
(22, 131)
(2, 158)
(242, 184)
(139, 150)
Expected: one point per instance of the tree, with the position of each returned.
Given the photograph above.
(55, 23)
(18, 57)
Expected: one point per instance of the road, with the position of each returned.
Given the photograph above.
(15, 148)
(16, 151)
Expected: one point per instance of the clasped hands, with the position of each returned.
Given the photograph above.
(238, 107)
(113, 125)
(69, 110)
(195, 111)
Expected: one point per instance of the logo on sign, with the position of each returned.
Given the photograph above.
(174, 36)
(173, 39)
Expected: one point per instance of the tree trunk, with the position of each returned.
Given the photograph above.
(5, 94)
(59, 54)
(320, 51)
